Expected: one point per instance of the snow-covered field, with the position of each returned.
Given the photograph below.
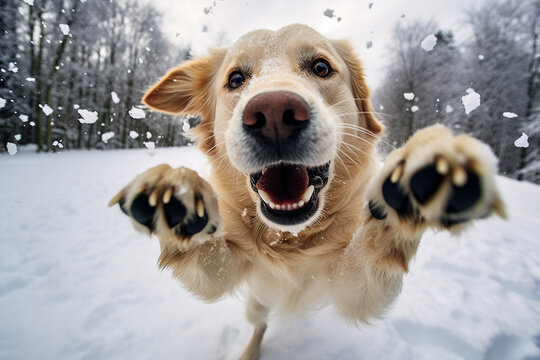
(77, 282)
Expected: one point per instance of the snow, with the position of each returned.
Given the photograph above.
(449, 109)
(329, 13)
(408, 96)
(509, 115)
(24, 118)
(185, 125)
(76, 106)
(77, 282)
(481, 57)
(470, 101)
(11, 148)
(107, 136)
(30, 79)
(29, 2)
(429, 42)
(17, 137)
(136, 113)
(115, 97)
(150, 145)
(414, 108)
(148, 135)
(133, 134)
(2, 102)
(12, 67)
(87, 116)
(47, 110)
(64, 28)
(523, 141)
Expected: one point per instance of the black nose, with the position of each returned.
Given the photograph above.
(276, 114)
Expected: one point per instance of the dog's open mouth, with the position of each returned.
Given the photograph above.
(289, 192)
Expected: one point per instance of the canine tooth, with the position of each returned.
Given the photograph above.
(301, 203)
(459, 176)
(199, 205)
(265, 196)
(441, 165)
(294, 206)
(308, 193)
(396, 174)
(272, 205)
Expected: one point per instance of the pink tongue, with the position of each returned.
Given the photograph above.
(284, 183)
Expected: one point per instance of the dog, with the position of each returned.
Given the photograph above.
(298, 211)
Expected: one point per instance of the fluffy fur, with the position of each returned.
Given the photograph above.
(344, 256)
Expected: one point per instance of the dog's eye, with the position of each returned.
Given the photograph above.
(236, 79)
(321, 68)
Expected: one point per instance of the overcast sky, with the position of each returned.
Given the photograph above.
(226, 20)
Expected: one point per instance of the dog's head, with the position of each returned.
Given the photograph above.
(290, 109)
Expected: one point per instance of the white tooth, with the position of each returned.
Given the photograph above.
(308, 193)
(265, 196)
(295, 205)
(289, 207)
(301, 203)
(272, 205)
(278, 207)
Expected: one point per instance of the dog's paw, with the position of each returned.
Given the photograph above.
(437, 179)
(175, 204)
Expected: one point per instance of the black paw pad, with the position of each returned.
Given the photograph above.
(396, 198)
(142, 211)
(464, 197)
(376, 210)
(425, 182)
(175, 212)
(193, 226)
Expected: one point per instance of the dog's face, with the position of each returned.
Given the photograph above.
(282, 107)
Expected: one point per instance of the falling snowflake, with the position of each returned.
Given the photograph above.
(150, 145)
(414, 108)
(133, 134)
(137, 113)
(88, 117)
(470, 101)
(47, 110)
(509, 115)
(522, 142)
(107, 136)
(115, 97)
(11, 148)
(64, 28)
(429, 42)
(2, 102)
(408, 96)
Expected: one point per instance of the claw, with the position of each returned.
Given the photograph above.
(167, 195)
(152, 199)
(442, 165)
(116, 198)
(199, 205)
(396, 174)
(459, 176)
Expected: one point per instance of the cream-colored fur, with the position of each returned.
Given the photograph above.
(343, 256)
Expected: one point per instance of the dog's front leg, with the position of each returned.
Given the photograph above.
(180, 208)
(435, 180)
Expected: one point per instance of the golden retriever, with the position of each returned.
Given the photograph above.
(298, 212)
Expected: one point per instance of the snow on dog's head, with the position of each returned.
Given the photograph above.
(286, 110)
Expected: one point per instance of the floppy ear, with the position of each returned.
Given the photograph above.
(358, 85)
(186, 89)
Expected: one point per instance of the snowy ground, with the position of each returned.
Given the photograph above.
(77, 282)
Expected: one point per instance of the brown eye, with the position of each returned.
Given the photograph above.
(321, 68)
(236, 79)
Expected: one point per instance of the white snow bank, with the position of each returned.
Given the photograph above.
(77, 282)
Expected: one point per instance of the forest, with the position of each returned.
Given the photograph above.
(72, 75)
